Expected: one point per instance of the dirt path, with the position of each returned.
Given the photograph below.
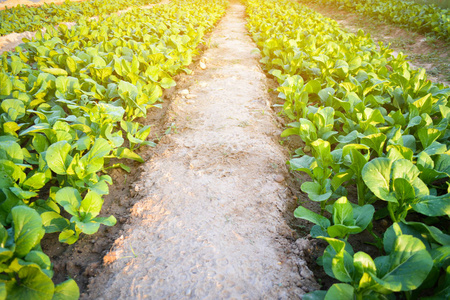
(209, 223)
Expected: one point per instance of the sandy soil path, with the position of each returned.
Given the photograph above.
(209, 223)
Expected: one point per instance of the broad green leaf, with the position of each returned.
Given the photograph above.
(71, 64)
(55, 71)
(364, 263)
(315, 191)
(376, 175)
(91, 205)
(427, 136)
(127, 153)
(67, 290)
(41, 259)
(443, 290)
(302, 164)
(58, 158)
(363, 215)
(100, 149)
(14, 108)
(441, 256)
(435, 148)
(108, 221)
(342, 266)
(304, 213)
(70, 199)
(31, 283)
(322, 152)
(404, 191)
(406, 267)
(442, 164)
(21, 194)
(28, 229)
(6, 86)
(167, 82)
(341, 231)
(316, 295)
(343, 212)
(433, 206)
(40, 143)
(35, 182)
(87, 227)
(68, 236)
(54, 222)
(404, 168)
(375, 141)
(16, 64)
(340, 178)
(12, 151)
(340, 291)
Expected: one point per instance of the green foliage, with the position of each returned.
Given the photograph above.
(347, 219)
(369, 120)
(31, 18)
(70, 101)
(26, 270)
(423, 17)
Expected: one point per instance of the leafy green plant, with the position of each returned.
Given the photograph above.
(33, 18)
(385, 129)
(398, 183)
(69, 97)
(319, 168)
(25, 271)
(404, 268)
(347, 219)
(423, 17)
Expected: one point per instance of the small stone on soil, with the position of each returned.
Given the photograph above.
(184, 92)
(279, 178)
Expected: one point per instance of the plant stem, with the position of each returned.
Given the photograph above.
(360, 187)
(322, 207)
(391, 214)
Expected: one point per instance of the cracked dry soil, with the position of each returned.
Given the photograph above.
(211, 204)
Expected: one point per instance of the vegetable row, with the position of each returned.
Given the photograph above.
(31, 18)
(367, 120)
(70, 100)
(426, 18)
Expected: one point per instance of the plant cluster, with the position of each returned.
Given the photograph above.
(70, 99)
(425, 18)
(366, 119)
(31, 18)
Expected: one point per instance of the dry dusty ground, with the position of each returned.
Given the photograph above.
(209, 223)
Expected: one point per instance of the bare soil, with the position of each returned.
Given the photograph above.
(423, 51)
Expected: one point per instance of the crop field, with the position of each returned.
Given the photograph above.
(212, 149)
